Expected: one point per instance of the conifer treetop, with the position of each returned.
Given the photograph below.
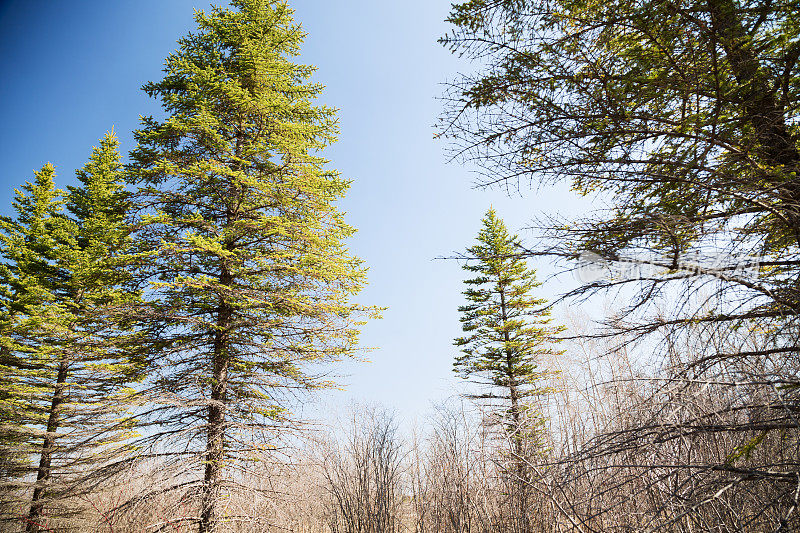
(507, 329)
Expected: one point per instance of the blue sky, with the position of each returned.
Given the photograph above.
(72, 70)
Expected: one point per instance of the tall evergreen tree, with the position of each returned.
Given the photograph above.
(69, 356)
(507, 333)
(251, 281)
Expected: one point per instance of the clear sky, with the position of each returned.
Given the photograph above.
(69, 71)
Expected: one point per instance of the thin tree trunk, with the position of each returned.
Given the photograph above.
(520, 498)
(215, 445)
(46, 457)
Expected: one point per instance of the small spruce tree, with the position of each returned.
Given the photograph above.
(507, 333)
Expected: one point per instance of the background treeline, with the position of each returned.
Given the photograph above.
(457, 472)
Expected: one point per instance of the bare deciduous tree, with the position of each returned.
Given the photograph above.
(364, 475)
